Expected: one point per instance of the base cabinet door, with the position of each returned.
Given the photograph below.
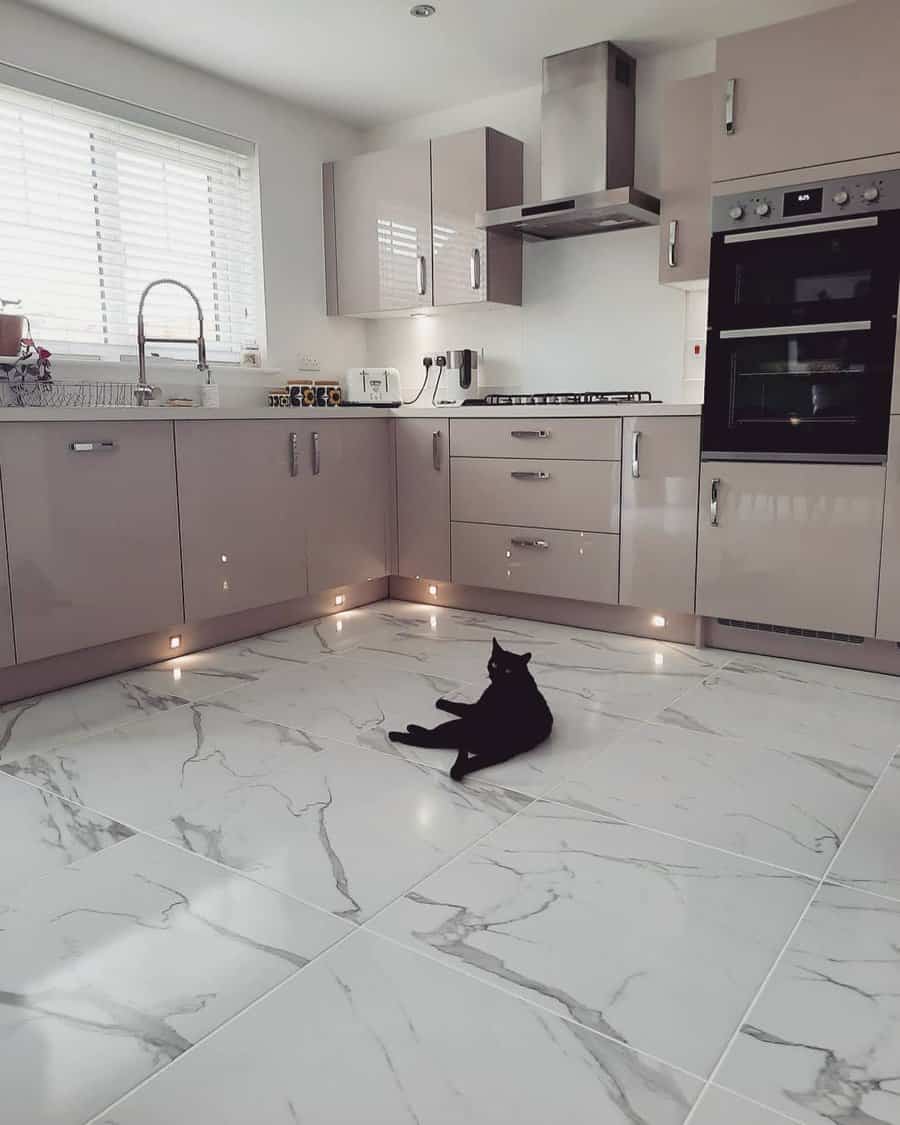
(423, 498)
(243, 491)
(92, 533)
(350, 512)
(794, 545)
(660, 478)
(889, 586)
(7, 648)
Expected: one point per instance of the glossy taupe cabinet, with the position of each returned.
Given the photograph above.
(809, 91)
(795, 545)
(889, 586)
(660, 479)
(350, 518)
(92, 532)
(478, 170)
(423, 498)
(685, 172)
(7, 648)
(244, 491)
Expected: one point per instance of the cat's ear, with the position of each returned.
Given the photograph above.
(495, 647)
(526, 656)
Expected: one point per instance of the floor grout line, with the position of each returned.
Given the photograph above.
(711, 1080)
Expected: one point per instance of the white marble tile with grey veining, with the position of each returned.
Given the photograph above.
(822, 1042)
(651, 940)
(721, 1107)
(40, 833)
(870, 859)
(779, 806)
(116, 965)
(372, 1033)
(821, 711)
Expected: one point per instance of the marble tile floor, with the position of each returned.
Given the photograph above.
(227, 898)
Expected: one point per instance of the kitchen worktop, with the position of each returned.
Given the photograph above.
(157, 413)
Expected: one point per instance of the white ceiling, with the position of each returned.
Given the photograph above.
(370, 62)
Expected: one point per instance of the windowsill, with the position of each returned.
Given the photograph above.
(106, 370)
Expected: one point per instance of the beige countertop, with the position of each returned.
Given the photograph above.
(163, 413)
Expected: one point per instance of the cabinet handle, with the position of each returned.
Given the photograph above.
(93, 446)
(673, 244)
(529, 433)
(436, 450)
(531, 544)
(636, 454)
(475, 269)
(317, 455)
(518, 475)
(420, 276)
(292, 449)
(730, 89)
(714, 502)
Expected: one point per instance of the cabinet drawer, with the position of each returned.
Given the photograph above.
(577, 439)
(559, 564)
(578, 495)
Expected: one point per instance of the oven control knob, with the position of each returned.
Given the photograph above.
(737, 212)
(871, 194)
(842, 198)
(763, 209)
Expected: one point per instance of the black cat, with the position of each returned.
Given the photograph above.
(510, 717)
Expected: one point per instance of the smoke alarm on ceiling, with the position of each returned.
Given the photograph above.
(422, 11)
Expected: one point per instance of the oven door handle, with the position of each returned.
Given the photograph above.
(795, 330)
(808, 228)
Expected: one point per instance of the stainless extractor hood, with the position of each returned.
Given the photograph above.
(587, 151)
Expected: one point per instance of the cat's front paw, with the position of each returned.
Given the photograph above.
(400, 736)
(445, 705)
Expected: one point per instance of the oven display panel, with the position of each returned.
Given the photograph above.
(807, 201)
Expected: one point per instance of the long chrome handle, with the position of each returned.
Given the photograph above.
(673, 244)
(317, 455)
(93, 446)
(475, 269)
(530, 433)
(799, 232)
(420, 276)
(795, 330)
(636, 454)
(292, 449)
(714, 502)
(529, 476)
(531, 544)
(730, 91)
(436, 450)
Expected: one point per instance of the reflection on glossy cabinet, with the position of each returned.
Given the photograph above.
(7, 649)
(350, 512)
(889, 586)
(380, 207)
(660, 478)
(92, 532)
(686, 181)
(423, 498)
(475, 171)
(809, 91)
(794, 545)
(243, 491)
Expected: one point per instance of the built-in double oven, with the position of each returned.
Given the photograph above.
(803, 322)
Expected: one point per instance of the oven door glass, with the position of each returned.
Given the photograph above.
(816, 394)
(805, 274)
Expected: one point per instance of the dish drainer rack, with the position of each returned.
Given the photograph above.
(62, 395)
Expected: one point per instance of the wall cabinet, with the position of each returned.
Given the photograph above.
(423, 498)
(244, 493)
(475, 171)
(7, 648)
(795, 545)
(809, 91)
(686, 181)
(400, 228)
(889, 586)
(92, 532)
(660, 479)
(350, 525)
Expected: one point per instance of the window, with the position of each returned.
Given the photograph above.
(93, 207)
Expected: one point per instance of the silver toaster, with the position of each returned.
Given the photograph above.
(372, 386)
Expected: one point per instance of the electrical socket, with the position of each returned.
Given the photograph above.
(308, 363)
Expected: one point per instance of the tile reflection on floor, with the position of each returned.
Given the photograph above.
(225, 890)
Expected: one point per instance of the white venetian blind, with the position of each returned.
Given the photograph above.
(93, 207)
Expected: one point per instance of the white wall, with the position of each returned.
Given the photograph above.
(595, 315)
(291, 142)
